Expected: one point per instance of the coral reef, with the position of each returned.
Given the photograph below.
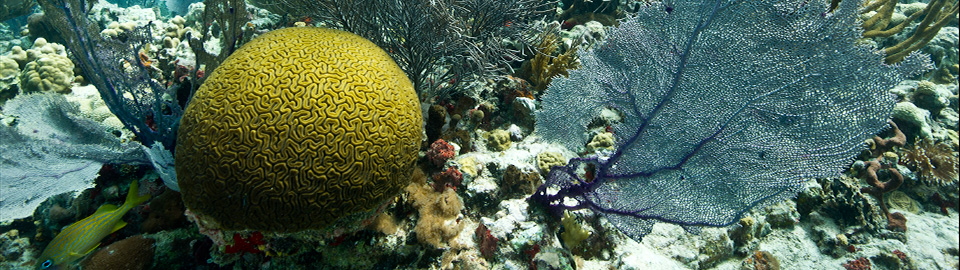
(487, 243)
(15, 8)
(439, 44)
(602, 141)
(550, 61)
(936, 14)
(15, 248)
(900, 200)
(468, 203)
(698, 167)
(448, 179)
(53, 73)
(436, 119)
(858, 264)
(148, 109)
(49, 148)
(46, 67)
(573, 233)
(581, 11)
(519, 183)
(368, 129)
(878, 188)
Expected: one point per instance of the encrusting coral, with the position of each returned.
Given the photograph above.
(299, 129)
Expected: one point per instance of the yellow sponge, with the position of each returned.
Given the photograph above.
(296, 130)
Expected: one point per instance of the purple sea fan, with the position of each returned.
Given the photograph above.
(726, 106)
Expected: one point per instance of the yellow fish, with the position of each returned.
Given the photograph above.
(82, 237)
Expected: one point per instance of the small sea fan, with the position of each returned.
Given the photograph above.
(936, 162)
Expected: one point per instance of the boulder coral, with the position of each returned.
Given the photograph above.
(299, 129)
(9, 77)
(46, 67)
(51, 72)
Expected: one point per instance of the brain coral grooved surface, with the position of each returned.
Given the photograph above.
(297, 129)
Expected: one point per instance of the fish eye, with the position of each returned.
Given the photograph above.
(46, 264)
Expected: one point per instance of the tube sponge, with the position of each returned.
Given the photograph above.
(298, 129)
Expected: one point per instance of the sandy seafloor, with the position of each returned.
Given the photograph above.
(830, 225)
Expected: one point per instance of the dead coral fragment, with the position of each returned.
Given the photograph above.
(936, 162)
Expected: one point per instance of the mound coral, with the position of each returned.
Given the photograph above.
(135, 252)
(46, 67)
(9, 77)
(299, 129)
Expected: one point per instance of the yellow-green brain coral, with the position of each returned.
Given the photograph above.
(297, 129)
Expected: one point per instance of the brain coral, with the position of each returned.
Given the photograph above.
(296, 130)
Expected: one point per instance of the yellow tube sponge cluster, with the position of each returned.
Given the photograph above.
(298, 129)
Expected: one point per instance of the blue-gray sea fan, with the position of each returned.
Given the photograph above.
(726, 105)
(52, 149)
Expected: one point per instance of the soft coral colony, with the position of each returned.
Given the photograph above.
(406, 133)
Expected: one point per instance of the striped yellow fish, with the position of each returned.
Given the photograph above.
(82, 237)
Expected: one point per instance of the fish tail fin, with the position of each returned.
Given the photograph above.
(133, 196)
